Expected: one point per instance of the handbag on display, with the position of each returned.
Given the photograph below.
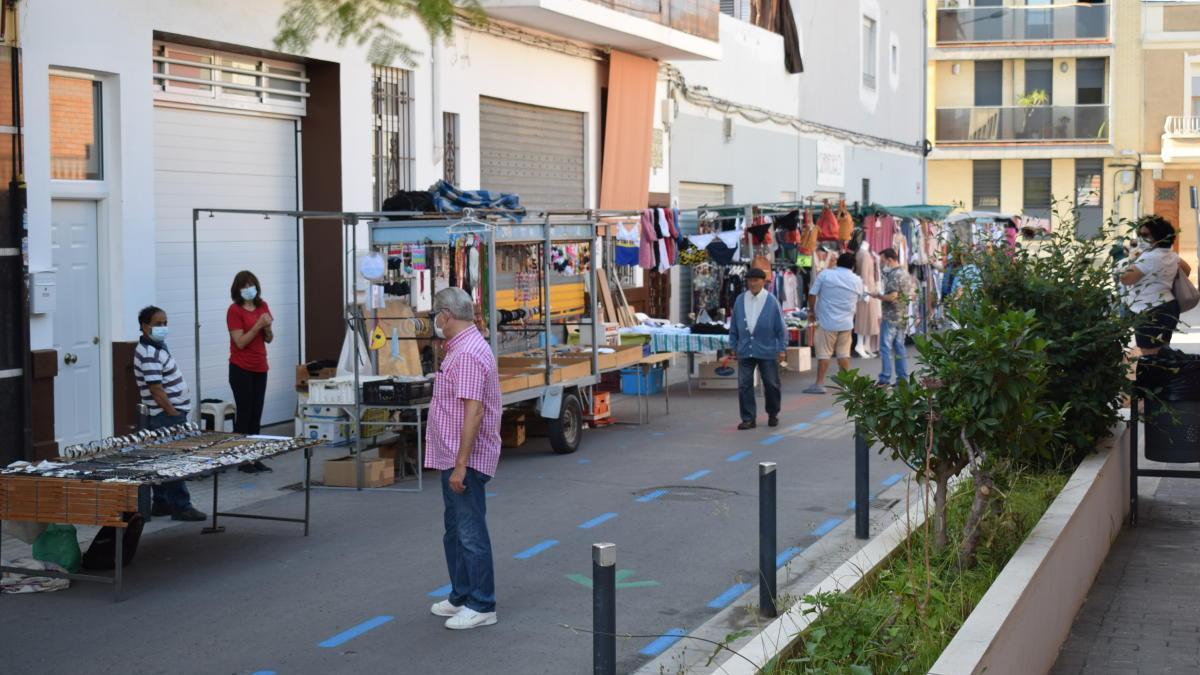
(1185, 292)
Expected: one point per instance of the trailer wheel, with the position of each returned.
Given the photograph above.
(566, 431)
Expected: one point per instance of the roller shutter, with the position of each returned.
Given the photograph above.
(535, 152)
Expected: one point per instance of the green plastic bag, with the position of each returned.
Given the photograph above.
(59, 544)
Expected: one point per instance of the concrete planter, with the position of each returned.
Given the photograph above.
(1024, 618)
(1022, 621)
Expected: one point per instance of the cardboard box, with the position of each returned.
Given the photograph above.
(302, 376)
(512, 431)
(329, 430)
(398, 454)
(377, 472)
(799, 359)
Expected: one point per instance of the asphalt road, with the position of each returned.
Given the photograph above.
(677, 496)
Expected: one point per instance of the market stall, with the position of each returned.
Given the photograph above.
(104, 482)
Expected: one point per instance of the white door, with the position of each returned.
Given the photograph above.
(233, 161)
(77, 407)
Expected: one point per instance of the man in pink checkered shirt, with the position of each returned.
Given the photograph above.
(463, 442)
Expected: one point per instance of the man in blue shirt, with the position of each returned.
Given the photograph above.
(833, 299)
(759, 339)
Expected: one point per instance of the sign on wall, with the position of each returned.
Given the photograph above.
(831, 164)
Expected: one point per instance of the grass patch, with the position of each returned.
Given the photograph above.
(901, 620)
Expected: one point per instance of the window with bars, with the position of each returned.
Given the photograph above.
(392, 165)
(193, 74)
(450, 147)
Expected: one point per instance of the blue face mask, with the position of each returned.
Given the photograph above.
(159, 333)
(249, 293)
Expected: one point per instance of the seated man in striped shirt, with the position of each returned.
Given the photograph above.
(163, 391)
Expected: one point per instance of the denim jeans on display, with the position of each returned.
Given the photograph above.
(468, 547)
(173, 495)
(891, 347)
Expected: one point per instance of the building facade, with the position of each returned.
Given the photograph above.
(743, 129)
(1170, 68)
(1033, 107)
(138, 113)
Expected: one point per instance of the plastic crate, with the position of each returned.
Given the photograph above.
(634, 381)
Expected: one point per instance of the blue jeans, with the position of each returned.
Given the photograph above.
(768, 369)
(891, 346)
(468, 547)
(173, 496)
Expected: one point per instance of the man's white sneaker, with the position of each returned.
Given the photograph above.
(444, 608)
(467, 618)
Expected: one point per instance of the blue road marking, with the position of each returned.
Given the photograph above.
(801, 427)
(659, 434)
(893, 479)
(661, 644)
(263, 672)
(651, 496)
(826, 527)
(732, 593)
(854, 503)
(536, 549)
(346, 636)
(786, 557)
(597, 520)
(771, 440)
(738, 456)
(585, 461)
(823, 414)
(440, 592)
(697, 475)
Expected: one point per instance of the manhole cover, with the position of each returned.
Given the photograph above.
(684, 493)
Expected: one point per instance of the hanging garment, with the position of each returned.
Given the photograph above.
(791, 290)
(664, 243)
(845, 223)
(866, 318)
(626, 245)
(808, 236)
(720, 252)
(648, 241)
(828, 226)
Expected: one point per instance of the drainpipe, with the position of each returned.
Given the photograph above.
(924, 101)
(435, 103)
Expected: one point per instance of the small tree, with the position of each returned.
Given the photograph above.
(979, 400)
(369, 21)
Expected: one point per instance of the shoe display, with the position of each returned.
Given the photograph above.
(746, 425)
(467, 618)
(190, 515)
(444, 608)
(773, 422)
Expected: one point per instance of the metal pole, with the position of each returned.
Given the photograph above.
(767, 581)
(196, 299)
(546, 295)
(604, 609)
(1133, 458)
(862, 481)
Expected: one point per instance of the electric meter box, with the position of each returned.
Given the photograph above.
(43, 296)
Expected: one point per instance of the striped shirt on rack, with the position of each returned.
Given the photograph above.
(153, 364)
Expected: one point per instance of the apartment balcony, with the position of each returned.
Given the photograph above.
(1046, 125)
(660, 29)
(1181, 140)
(1081, 23)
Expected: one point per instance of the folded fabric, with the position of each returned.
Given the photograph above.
(449, 199)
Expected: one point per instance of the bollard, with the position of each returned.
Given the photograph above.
(604, 609)
(767, 580)
(862, 486)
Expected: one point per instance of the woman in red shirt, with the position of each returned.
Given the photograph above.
(249, 322)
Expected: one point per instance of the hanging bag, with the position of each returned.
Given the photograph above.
(1185, 293)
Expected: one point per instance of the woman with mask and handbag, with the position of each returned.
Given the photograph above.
(1151, 277)
(249, 322)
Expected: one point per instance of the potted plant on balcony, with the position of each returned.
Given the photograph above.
(1030, 101)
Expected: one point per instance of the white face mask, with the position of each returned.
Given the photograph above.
(439, 331)
(249, 293)
(159, 333)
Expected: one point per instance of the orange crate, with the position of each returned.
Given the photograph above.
(600, 406)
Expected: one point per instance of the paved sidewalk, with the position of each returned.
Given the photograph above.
(1143, 613)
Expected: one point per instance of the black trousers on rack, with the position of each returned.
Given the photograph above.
(249, 392)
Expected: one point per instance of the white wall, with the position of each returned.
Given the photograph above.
(114, 39)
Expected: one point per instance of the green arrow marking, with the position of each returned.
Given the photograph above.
(621, 575)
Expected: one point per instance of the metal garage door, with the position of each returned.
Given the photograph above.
(227, 160)
(535, 152)
(693, 195)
